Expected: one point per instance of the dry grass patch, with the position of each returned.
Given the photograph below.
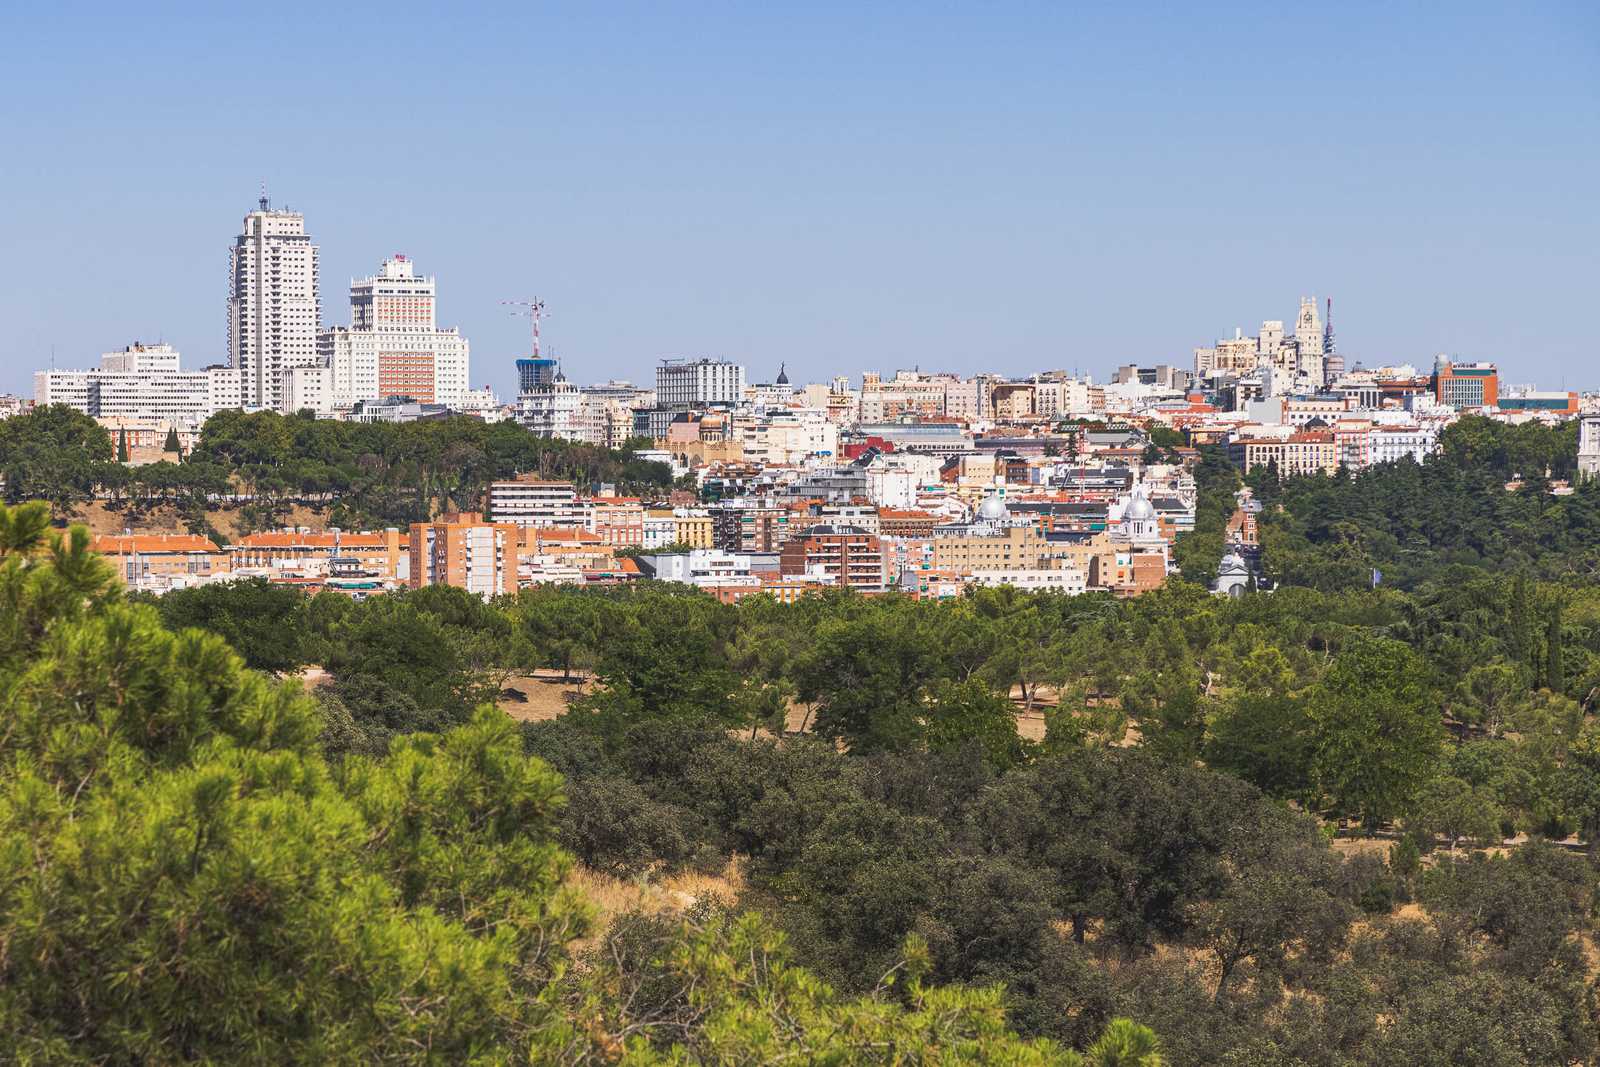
(545, 695)
(669, 894)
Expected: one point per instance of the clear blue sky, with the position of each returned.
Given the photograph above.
(839, 186)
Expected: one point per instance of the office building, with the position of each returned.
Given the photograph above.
(140, 358)
(1466, 385)
(393, 345)
(144, 382)
(681, 386)
(535, 373)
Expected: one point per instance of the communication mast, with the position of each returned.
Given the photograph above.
(534, 309)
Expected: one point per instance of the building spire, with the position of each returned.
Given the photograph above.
(264, 202)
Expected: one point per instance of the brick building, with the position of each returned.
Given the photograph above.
(853, 557)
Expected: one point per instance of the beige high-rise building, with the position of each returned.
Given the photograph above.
(393, 345)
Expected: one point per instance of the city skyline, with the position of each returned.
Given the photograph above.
(816, 190)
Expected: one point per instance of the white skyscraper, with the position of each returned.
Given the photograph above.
(393, 346)
(273, 310)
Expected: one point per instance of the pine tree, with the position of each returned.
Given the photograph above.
(122, 445)
(171, 444)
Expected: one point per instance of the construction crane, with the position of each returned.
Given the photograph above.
(533, 309)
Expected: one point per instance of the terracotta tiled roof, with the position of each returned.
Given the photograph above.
(569, 534)
(124, 544)
(288, 539)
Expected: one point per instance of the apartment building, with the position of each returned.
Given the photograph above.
(749, 527)
(532, 501)
(1310, 452)
(548, 550)
(383, 553)
(851, 556)
(693, 526)
(617, 520)
(907, 522)
(465, 551)
(907, 393)
(274, 311)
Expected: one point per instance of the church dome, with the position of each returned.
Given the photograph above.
(1139, 509)
(993, 509)
(783, 374)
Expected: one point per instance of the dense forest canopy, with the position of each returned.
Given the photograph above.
(1163, 854)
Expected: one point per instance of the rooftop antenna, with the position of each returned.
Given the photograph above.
(264, 202)
(1327, 330)
(535, 311)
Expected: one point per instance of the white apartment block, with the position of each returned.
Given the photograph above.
(1388, 443)
(555, 410)
(791, 436)
(660, 530)
(963, 399)
(681, 386)
(1072, 581)
(308, 389)
(274, 312)
(536, 503)
(393, 346)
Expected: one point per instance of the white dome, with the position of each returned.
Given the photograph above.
(1139, 509)
(993, 509)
